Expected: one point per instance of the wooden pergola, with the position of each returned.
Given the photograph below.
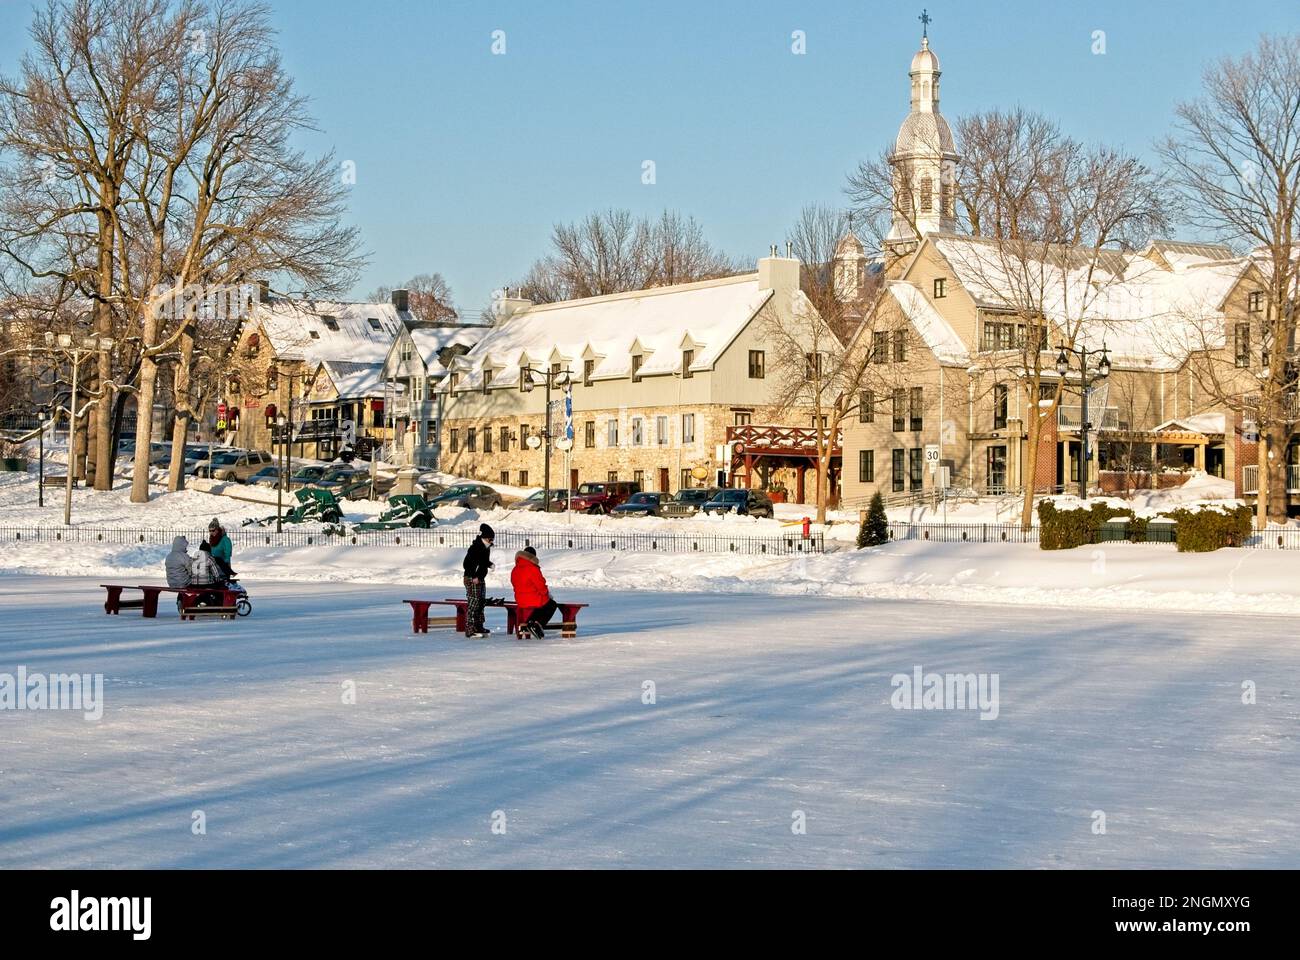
(751, 443)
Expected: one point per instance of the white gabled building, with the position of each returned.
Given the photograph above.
(418, 360)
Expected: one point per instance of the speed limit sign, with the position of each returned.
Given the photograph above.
(932, 457)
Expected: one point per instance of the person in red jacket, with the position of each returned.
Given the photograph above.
(531, 591)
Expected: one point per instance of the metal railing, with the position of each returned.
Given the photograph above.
(790, 544)
(1250, 478)
(1070, 417)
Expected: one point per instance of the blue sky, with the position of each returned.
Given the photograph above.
(465, 159)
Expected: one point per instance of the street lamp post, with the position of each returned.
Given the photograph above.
(89, 346)
(560, 377)
(281, 422)
(43, 412)
(1103, 371)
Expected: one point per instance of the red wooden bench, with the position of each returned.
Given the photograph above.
(515, 615)
(189, 599)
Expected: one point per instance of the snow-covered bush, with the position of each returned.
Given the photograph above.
(1062, 529)
(1199, 531)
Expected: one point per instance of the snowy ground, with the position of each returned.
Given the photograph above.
(764, 706)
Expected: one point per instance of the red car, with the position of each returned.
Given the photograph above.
(603, 497)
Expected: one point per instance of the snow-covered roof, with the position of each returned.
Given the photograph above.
(318, 330)
(1197, 423)
(658, 324)
(431, 341)
(353, 380)
(937, 333)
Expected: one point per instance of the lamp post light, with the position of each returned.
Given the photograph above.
(282, 425)
(551, 377)
(88, 347)
(1103, 371)
(43, 413)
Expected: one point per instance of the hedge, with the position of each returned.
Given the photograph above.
(1199, 531)
(1064, 529)
(1195, 531)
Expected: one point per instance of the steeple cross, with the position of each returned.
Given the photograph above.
(925, 19)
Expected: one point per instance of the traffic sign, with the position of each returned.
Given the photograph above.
(932, 457)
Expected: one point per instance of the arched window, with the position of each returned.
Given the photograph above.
(927, 194)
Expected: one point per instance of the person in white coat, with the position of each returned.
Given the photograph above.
(179, 566)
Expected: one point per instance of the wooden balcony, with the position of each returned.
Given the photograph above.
(772, 440)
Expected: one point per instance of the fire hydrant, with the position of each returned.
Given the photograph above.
(807, 527)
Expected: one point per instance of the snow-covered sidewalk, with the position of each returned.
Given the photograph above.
(763, 709)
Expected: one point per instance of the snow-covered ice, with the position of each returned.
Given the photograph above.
(764, 706)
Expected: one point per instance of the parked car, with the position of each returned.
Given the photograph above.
(751, 503)
(639, 505)
(236, 465)
(687, 502)
(266, 477)
(431, 487)
(306, 476)
(603, 497)
(337, 476)
(534, 501)
(473, 495)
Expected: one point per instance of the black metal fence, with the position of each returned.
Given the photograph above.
(1282, 539)
(433, 538)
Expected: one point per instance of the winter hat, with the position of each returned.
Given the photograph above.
(181, 543)
(205, 547)
(215, 524)
(485, 532)
(531, 552)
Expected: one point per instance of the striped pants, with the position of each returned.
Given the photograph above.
(474, 613)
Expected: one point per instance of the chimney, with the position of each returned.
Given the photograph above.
(507, 306)
(402, 300)
(778, 273)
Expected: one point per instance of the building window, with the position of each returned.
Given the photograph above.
(523, 435)
(940, 288)
(637, 438)
(900, 346)
(880, 346)
(927, 194)
(431, 431)
(417, 389)
(812, 366)
(1256, 301)
(684, 479)
(866, 466)
(455, 440)
(487, 380)
(757, 364)
(743, 417)
(900, 410)
(638, 477)
(588, 368)
(404, 351)
(1241, 344)
(471, 437)
(611, 476)
(611, 433)
(589, 433)
(487, 439)
(896, 478)
(374, 324)
(688, 357)
(505, 477)
(688, 428)
(636, 367)
(999, 406)
(555, 369)
(314, 334)
(916, 405)
(661, 430)
(1047, 391)
(523, 478)
(914, 462)
(867, 407)
(505, 439)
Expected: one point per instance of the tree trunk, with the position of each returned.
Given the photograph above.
(105, 452)
(143, 428)
(105, 449)
(1278, 435)
(184, 413)
(1029, 468)
(823, 465)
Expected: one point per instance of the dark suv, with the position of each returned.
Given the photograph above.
(603, 497)
(752, 503)
(687, 502)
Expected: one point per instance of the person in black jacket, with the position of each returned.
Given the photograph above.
(478, 561)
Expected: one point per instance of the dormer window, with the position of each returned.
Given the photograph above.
(487, 380)
(375, 324)
(315, 335)
(636, 367)
(688, 357)
(1256, 301)
(330, 323)
(588, 368)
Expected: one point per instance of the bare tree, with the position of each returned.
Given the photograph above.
(429, 297)
(1235, 156)
(817, 240)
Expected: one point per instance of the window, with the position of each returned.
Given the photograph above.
(688, 428)
(880, 346)
(636, 367)
(314, 334)
(916, 406)
(743, 417)
(588, 368)
(505, 439)
(611, 476)
(757, 365)
(637, 438)
(638, 477)
(1256, 301)
(487, 439)
(684, 479)
(661, 430)
(455, 382)
(611, 433)
(1241, 344)
(1047, 391)
(404, 351)
(555, 369)
(900, 346)
(914, 462)
(431, 431)
(330, 324)
(940, 287)
(523, 478)
(525, 379)
(487, 380)
(927, 194)
(375, 324)
(812, 366)
(455, 440)
(523, 435)
(471, 436)
(866, 466)
(999, 406)
(417, 389)
(896, 478)
(867, 407)
(589, 433)
(688, 357)
(505, 477)
(900, 410)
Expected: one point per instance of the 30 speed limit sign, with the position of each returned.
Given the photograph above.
(932, 457)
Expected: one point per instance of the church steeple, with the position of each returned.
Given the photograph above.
(924, 158)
